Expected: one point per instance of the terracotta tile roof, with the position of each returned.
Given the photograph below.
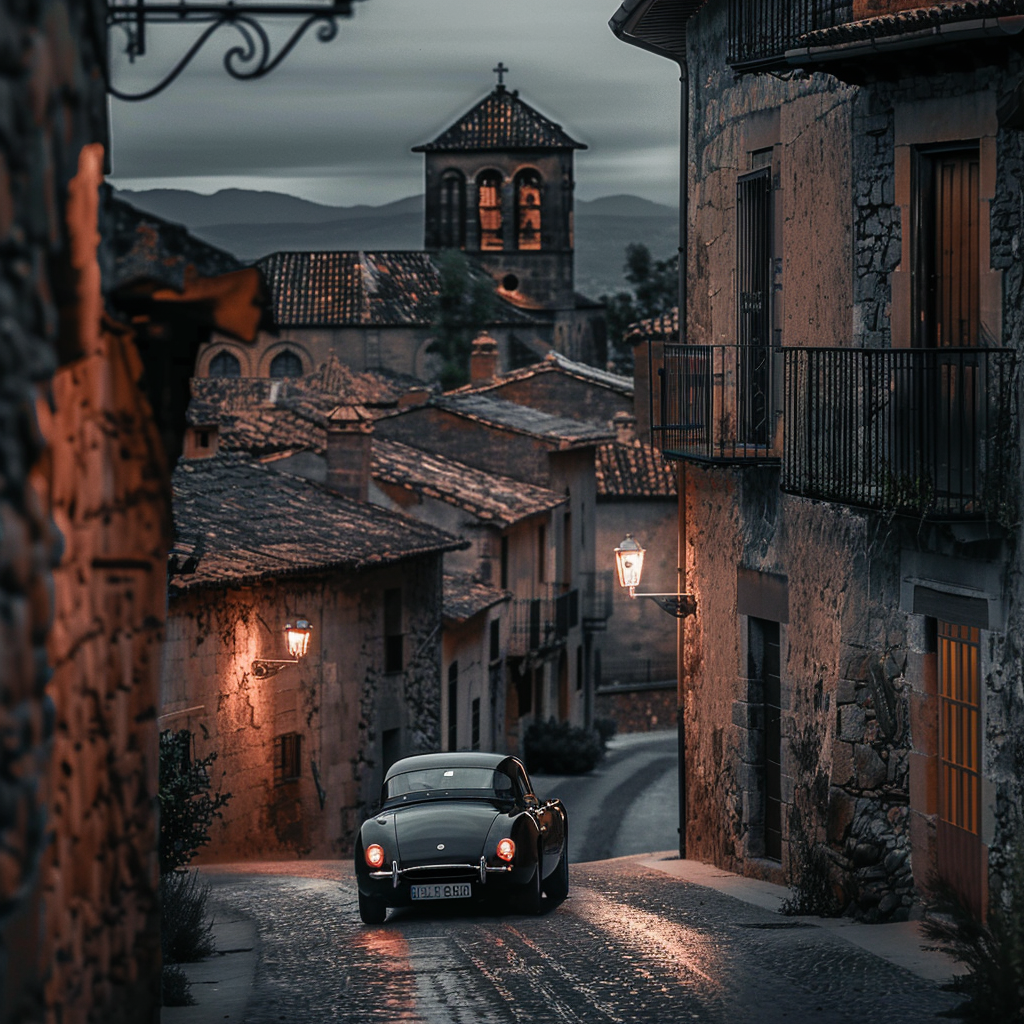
(237, 522)
(465, 597)
(554, 362)
(564, 432)
(147, 248)
(633, 471)
(665, 326)
(915, 19)
(336, 289)
(492, 498)
(259, 415)
(501, 120)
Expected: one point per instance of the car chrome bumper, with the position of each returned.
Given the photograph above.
(396, 873)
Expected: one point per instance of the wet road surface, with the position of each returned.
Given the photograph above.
(631, 944)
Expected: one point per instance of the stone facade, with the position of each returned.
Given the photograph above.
(820, 624)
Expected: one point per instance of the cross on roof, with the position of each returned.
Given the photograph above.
(500, 71)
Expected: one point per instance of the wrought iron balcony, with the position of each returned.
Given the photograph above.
(923, 432)
(598, 590)
(761, 31)
(717, 403)
(540, 623)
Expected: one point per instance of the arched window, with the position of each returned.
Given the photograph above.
(453, 210)
(528, 210)
(224, 364)
(489, 210)
(286, 364)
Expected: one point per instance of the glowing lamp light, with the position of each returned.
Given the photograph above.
(298, 638)
(629, 563)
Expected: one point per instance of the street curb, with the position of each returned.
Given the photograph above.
(901, 943)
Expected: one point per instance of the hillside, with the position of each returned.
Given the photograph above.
(251, 224)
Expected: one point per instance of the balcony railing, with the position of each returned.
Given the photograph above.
(717, 403)
(542, 622)
(924, 432)
(598, 590)
(761, 31)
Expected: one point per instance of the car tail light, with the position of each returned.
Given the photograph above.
(375, 855)
(506, 849)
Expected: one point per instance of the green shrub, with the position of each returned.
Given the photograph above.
(813, 892)
(558, 748)
(992, 952)
(175, 988)
(605, 728)
(185, 933)
(187, 809)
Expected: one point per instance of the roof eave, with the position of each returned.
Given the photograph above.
(625, 23)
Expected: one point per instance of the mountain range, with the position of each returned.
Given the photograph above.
(251, 224)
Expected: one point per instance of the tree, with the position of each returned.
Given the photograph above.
(655, 290)
(462, 307)
(187, 808)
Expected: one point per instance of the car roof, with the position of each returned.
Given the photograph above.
(453, 759)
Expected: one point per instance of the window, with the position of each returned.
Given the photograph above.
(754, 308)
(542, 553)
(475, 723)
(287, 757)
(764, 664)
(393, 639)
(567, 549)
(504, 563)
(286, 364)
(959, 727)
(453, 706)
(495, 652)
(528, 210)
(489, 210)
(224, 364)
(453, 210)
(579, 668)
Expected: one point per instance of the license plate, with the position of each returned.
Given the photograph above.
(445, 891)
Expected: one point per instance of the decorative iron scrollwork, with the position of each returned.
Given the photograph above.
(252, 58)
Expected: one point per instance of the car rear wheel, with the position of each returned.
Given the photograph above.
(530, 894)
(372, 911)
(557, 885)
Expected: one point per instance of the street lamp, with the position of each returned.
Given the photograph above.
(629, 563)
(297, 638)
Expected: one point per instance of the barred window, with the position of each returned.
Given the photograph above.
(287, 757)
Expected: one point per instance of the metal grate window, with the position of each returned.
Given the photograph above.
(287, 757)
(960, 726)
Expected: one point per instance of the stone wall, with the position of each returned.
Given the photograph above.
(81, 605)
(350, 714)
(640, 708)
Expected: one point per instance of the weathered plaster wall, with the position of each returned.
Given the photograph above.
(338, 698)
(81, 608)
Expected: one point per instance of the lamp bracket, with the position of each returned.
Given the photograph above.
(250, 58)
(680, 605)
(264, 668)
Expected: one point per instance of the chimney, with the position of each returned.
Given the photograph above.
(624, 425)
(349, 451)
(483, 360)
(202, 441)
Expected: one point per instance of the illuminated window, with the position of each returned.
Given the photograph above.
(287, 757)
(960, 726)
(286, 364)
(528, 210)
(224, 364)
(453, 210)
(489, 210)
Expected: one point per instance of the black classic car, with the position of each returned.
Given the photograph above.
(461, 826)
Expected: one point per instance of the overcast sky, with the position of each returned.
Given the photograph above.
(335, 122)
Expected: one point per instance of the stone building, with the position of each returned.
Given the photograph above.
(842, 403)
(499, 187)
(302, 746)
(87, 441)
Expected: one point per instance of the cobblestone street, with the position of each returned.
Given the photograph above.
(631, 944)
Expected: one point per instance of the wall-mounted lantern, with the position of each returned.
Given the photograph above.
(297, 638)
(629, 563)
